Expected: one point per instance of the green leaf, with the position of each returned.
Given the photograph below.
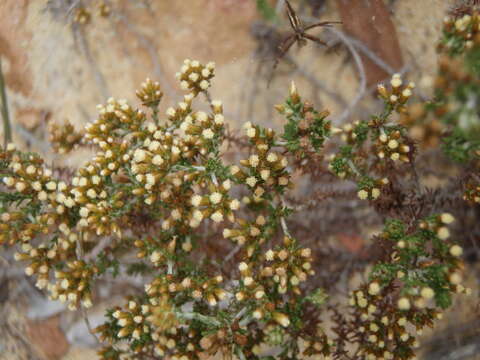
(267, 11)
(443, 298)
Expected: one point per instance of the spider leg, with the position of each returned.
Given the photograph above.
(283, 48)
(286, 44)
(292, 17)
(317, 40)
(323, 23)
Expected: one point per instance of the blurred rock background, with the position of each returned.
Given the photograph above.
(57, 68)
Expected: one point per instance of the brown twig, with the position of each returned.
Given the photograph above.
(7, 128)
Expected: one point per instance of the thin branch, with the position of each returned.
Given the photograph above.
(102, 245)
(7, 129)
(79, 252)
(371, 55)
(85, 49)
(361, 71)
(283, 221)
(364, 49)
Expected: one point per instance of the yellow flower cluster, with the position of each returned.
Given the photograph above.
(28, 177)
(150, 93)
(392, 146)
(73, 284)
(398, 95)
(194, 76)
(64, 138)
(386, 326)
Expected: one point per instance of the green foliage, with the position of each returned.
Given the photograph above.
(266, 10)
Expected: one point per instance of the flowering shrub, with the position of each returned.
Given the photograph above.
(159, 189)
(452, 115)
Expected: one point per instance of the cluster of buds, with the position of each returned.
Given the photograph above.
(98, 203)
(40, 260)
(116, 119)
(150, 93)
(73, 284)
(83, 15)
(200, 289)
(392, 145)
(221, 341)
(132, 320)
(343, 165)
(283, 271)
(66, 240)
(206, 127)
(216, 205)
(450, 118)
(103, 8)
(425, 132)
(382, 330)
(451, 73)
(195, 77)
(318, 344)
(461, 33)
(171, 343)
(95, 210)
(129, 323)
(306, 128)
(265, 169)
(457, 76)
(64, 138)
(383, 324)
(288, 266)
(388, 141)
(371, 189)
(472, 193)
(176, 115)
(251, 235)
(160, 250)
(26, 175)
(166, 177)
(398, 95)
(349, 132)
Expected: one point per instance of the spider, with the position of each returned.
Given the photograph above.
(299, 34)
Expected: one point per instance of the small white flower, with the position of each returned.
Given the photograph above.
(447, 218)
(403, 303)
(215, 198)
(396, 80)
(138, 156)
(196, 200)
(253, 160)
(208, 134)
(456, 250)
(51, 185)
(393, 144)
(234, 204)
(201, 116)
(362, 194)
(217, 216)
(251, 181)
(270, 255)
(251, 132)
(443, 233)
(427, 293)
(84, 212)
(219, 119)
